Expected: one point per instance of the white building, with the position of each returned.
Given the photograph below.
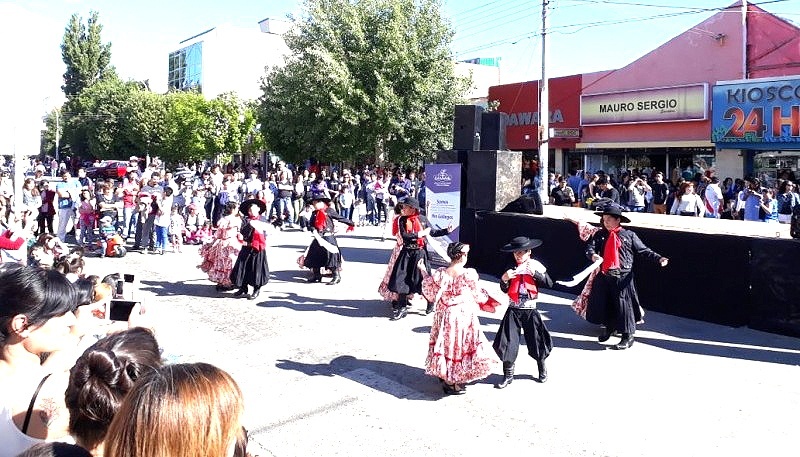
(483, 76)
(228, 59)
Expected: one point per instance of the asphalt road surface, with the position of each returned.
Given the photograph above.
(325, 373)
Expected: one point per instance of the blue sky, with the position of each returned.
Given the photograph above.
(586, 35)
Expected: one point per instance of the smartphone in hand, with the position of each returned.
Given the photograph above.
(120, 310)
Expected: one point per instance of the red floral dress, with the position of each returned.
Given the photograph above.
(220, 254)
(383, 288)
(458, 351)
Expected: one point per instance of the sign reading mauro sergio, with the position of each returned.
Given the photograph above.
(664, 104)
(757, 114)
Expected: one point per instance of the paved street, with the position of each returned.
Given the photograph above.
(326, 373)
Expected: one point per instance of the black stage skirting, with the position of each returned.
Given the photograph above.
(724, 279)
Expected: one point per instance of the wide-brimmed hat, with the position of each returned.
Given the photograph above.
(106, 219)
(613, 210)
(521, 243)
(410, 201)
(320, 198)
(244, 208)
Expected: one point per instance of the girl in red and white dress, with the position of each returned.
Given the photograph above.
(458, 352)
(220, 255)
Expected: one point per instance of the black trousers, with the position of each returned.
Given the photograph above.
(537, 338)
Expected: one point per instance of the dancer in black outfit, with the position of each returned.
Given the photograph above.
(521, 282)
(324, 250)
(406, 277)
(251, 268)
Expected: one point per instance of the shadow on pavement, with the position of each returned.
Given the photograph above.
(710, 339)
(396, 379)
(197, 288)
(347, 308)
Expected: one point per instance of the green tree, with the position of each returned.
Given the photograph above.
(186, 120)
(86, 56)
(143, 119)
(365, 79)
(94, 120)
(48, 140)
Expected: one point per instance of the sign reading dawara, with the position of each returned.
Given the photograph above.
(757, 114)
(443, 197)
(664, 104)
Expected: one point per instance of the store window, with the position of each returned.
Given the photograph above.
(769, 166)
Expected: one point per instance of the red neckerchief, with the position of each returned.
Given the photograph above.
(320, 220)
(530, 286)
(413, 225)
(258, 243)
(611, 251)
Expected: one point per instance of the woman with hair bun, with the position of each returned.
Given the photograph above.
(182, 410)
(458, 352)
(102, 377)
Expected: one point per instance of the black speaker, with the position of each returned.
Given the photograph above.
(493, 131)
(493, 179)
(467, 127)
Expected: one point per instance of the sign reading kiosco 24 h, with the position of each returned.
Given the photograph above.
(756, 114)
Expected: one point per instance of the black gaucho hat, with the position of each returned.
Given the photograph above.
(521, 243)
(318, 197)
(613, 210)
(244, 208)
(410, 201)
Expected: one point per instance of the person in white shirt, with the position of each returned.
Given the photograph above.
(687, 203)
(253, 184)
(713, 198)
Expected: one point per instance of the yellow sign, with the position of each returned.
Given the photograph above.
(664, 104)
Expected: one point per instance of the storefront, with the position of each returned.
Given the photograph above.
(759, 119)
(521, 102)
(655, 113)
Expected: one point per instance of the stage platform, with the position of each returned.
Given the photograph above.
(728, 272)
(678, 223)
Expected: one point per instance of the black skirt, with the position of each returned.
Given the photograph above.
(319, 257)
(251, 268)
(406, 277)
(613, 302)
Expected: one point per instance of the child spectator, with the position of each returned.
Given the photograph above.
(177, 229)
(86, 217)
(107, 231)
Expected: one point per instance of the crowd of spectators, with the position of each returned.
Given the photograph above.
(694, 195)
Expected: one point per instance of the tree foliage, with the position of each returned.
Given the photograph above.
(366, 78)
(86, 56)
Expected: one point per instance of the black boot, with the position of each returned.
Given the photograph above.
(626, 342)
(605, 335)
(254, 295)
(337, 278)
(429, 309)
(316, 276)
(242, 290)
(542, 370)
(508, 375)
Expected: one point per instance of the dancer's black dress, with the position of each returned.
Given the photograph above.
(251, 268)
(317, 256)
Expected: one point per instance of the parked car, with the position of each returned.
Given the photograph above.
(114, 169)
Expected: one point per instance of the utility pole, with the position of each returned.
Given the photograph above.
(745, 74)
(57, 128)
(544, 115)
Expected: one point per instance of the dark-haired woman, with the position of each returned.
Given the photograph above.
(406, 277)
(101, 378)
(36, 318)
(458, 352)
(220, 255)
(323, 252)
(251, 268)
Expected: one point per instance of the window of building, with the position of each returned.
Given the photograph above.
(186, 68)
